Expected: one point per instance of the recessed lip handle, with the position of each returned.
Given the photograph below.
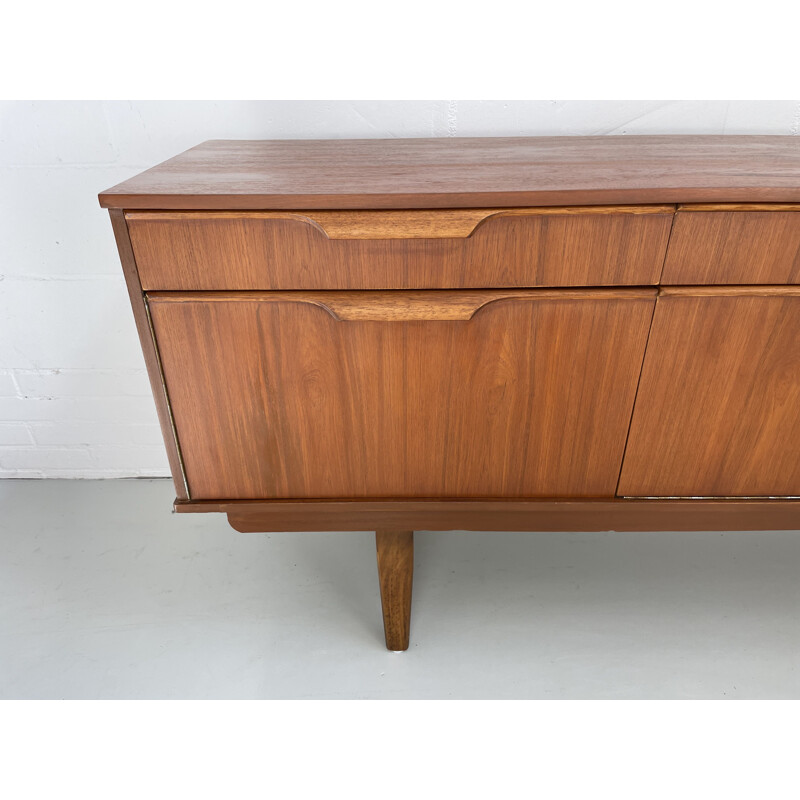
(435, 305)
(448, 223)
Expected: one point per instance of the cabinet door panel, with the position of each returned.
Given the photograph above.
(718, 407)
(429, 394)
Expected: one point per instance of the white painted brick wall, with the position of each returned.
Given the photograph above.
(74, 396)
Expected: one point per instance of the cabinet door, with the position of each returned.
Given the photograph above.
(402, 394)
(718, 407)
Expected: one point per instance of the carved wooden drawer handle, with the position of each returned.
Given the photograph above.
(458, 223)
(395, 306)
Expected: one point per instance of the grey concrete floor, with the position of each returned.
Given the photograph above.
(106, 594)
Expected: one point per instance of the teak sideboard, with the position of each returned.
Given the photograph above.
(574, 333)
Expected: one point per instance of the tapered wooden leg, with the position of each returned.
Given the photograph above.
(396, 573)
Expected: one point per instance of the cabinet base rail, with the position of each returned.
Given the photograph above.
(622, 514)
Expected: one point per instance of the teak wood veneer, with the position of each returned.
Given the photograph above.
(578, 333)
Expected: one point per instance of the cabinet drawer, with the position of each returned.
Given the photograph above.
(718, 407)
(439, 249)
(522, 393)
(734, 245)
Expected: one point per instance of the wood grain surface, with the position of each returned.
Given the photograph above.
(530, 397)
(194, 252)
(734, 246)
(468, 173)
(718, 407)
(396, 577)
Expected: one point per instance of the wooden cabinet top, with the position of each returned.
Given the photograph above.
(468, 173)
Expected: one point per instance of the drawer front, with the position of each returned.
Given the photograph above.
(405, 394)
(718, 407)
(734, 245)
(468, 248)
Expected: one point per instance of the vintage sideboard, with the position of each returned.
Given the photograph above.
(572, 333)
